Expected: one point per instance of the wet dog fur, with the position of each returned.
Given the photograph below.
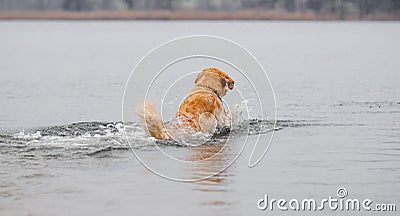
(201, 111)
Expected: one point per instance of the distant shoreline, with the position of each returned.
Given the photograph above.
(185, 15)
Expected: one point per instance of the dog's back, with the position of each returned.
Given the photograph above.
(201, 111)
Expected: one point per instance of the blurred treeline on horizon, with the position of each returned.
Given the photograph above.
(340, 8)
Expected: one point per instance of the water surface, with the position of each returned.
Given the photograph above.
(338, 113)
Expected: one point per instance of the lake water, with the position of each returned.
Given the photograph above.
(337, 87)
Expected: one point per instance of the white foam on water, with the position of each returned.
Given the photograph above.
(27, 135)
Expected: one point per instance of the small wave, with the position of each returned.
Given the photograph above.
(106, 150)
(80, 139)
(28, 135)
(370, 107)
(85, 129)
(96, 138)
(370, 104)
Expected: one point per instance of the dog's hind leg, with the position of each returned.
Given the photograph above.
(207, 123)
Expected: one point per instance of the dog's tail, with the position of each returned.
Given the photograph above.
(151, 120)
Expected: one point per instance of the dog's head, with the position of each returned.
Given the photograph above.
(216, 79)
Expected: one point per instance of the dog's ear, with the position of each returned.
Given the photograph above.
(201, 74)
(223, 82)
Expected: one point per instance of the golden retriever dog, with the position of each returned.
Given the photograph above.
(201, 111)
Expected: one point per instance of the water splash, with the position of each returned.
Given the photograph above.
(92, 138)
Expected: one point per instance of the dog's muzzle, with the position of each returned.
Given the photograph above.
(230, 85)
